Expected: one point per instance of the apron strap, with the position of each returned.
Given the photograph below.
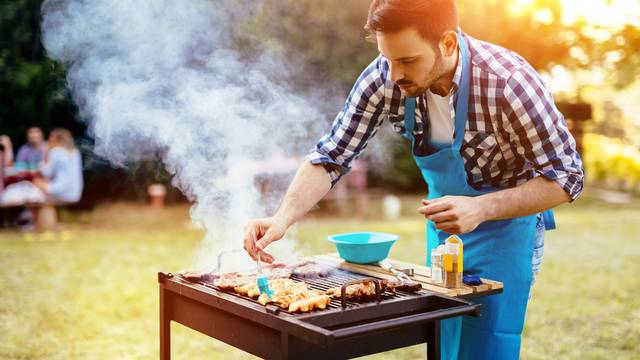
(409, 116)
(549, 219)
(462, 102)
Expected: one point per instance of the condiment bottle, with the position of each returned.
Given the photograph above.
(437, 276)
(453, 262)
(453, 239)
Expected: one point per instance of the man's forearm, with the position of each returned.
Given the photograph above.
(309, 186)
(534, 196)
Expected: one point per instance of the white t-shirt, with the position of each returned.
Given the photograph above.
(440, 119)
(64, 172)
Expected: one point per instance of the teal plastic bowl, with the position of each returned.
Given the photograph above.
(364, 247)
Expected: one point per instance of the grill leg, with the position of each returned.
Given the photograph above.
(433, 340)
(284, 338)
(165, 327)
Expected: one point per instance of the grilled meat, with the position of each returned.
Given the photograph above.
(310, 269)
(363, 291)
(295, 297)
(280, 287)
(231, 281)
(408, 286)
(198, 276)
(285, 298)
(311, 303)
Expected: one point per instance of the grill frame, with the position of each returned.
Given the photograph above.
(360, 329)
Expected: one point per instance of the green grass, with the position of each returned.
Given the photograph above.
(90, 291)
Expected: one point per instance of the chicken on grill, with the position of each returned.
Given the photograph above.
(295, 296)
(314, 299)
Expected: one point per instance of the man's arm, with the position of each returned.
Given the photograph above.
(540, 192)
(310, 184)
(354, 126)
(308, 187)
(462, 214)
(538, 130)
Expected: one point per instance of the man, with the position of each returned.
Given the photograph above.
(32, 153)
(492, 147)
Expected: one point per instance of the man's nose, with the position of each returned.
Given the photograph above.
(396, 73)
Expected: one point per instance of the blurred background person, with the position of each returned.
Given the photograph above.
(61, 179)
(6, 147)
(31, 154)
(6, 157)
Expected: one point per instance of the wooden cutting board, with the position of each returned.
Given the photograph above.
(422, 274)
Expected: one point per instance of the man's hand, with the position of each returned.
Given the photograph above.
(266, 231)
(454, 214)
(309, 185)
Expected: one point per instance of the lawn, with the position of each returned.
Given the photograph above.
(90, 291)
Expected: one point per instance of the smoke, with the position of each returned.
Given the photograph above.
(163, 77)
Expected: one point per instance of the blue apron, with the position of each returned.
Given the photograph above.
(500, 249)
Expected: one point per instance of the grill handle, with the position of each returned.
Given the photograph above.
(343, 289)
(468, 308)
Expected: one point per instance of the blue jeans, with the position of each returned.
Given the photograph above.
(538, 249)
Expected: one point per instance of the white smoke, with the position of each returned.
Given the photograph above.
(162, 76)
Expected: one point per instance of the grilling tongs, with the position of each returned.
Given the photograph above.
(405, 282)
(386, 264)
(263, 282)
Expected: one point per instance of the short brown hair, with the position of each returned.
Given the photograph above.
(63, 137)
(432, 18)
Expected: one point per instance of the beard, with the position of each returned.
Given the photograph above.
(414, 90)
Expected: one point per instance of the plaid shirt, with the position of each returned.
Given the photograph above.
(514, 131)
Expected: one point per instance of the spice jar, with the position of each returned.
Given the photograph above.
(437, 276)
(452, 266)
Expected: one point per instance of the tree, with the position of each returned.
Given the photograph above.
(31, 85)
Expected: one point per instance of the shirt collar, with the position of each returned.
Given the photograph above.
(457, 76)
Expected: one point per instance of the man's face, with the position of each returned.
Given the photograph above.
(414, 62)
(34, 137)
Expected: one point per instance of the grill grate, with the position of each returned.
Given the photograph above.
(336, 279)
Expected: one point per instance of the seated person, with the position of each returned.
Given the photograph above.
(6, 149)
(6, 157)
(61, 179)
(31, 154)
(62, 169)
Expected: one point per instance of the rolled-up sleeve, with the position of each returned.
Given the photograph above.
(355, 125)
(539, 132)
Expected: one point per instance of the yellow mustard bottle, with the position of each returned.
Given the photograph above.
(452, 261)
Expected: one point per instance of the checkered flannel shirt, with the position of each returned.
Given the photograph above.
(514, 131)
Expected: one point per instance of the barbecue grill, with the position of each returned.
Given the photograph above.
(345, 329)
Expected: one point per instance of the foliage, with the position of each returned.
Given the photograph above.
(321, 43)
(327, 37)
(31, 85)
(611, 160)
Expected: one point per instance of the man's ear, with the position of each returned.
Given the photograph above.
(449, 43)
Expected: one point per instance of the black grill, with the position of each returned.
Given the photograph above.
(396, 320)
